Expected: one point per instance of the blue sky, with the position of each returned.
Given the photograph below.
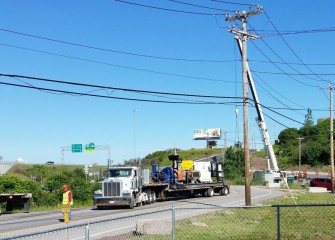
(122, 45)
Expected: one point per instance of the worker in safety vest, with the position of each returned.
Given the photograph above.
(67, 198)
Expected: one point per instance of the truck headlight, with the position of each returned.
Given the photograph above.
(98, 192)
(125, 192)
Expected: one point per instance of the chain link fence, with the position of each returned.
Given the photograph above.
(257, 222)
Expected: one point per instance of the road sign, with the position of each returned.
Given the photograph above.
(77, 148)
(90, 147)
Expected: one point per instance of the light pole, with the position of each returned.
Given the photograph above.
(134, 111)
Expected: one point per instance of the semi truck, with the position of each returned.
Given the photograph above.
(131, 186)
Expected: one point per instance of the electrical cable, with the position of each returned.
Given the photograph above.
(111, 97)
(116, 65)
(167, 9)
(114, 88)
(111, 50)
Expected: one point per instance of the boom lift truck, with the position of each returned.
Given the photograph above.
(269, 175)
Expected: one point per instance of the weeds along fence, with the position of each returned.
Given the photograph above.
(312, 221)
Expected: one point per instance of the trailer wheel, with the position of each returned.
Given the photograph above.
(224, 191)
(210, 192)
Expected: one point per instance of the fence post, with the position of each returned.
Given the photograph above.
(173, 222)
(87, 232)
(278, 222)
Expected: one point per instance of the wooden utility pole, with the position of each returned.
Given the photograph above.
(331, 138)
(244, 35)
(299, 138)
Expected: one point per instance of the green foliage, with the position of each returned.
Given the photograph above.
(309, 118)
(46, 186)
(314, 145)
(234, 163)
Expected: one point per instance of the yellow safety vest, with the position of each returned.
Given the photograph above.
(66, 199)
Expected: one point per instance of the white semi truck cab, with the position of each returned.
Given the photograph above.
(122, 187)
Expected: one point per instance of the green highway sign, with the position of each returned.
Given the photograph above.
(77, 148)
(90, 147)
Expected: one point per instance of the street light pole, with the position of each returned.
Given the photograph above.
(134, 111)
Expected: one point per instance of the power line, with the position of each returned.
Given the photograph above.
(270, 33)
(115, 65)
(291, 49)
(152, 56)
(233, 3)
(282, 69)
(294, 74)
(292, 63)
(199, 6)
(115, 88)
(167, 9)
(112, 50)
(111, 97)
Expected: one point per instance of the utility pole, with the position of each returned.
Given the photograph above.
(299, 138)
(244, 35)
(331, 138)
(134, 111)
(225, 141)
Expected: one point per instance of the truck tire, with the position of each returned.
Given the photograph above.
(153, 197)
(149, 194)
(224, 191)
(210, 192)
(132, 202)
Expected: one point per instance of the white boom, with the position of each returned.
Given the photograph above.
(260, 119)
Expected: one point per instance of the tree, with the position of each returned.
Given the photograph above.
(315, 144)
(309, 118)
(233, 164)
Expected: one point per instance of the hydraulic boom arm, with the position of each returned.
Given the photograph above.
(260, 119)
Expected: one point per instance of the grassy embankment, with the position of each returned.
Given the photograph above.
(261, 222)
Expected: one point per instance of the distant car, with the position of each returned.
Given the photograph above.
(321, 182)
(50, 163)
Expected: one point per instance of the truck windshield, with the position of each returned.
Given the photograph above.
(120, 172)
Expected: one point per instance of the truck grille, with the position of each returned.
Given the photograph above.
(111, 189)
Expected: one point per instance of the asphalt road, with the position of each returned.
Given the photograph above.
(14, 224)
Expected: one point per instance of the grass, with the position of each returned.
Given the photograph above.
(303, 222)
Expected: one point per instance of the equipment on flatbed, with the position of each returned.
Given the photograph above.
(130, 186)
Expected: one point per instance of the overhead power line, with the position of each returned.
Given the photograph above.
(115, 88)
(149, 56)
(112, 50)
(104, 96)
(116, 65)
(169, 9)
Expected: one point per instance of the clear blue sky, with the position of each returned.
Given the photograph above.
(108, 43)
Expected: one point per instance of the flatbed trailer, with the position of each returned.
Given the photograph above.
(166, 190)
(131, 186)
